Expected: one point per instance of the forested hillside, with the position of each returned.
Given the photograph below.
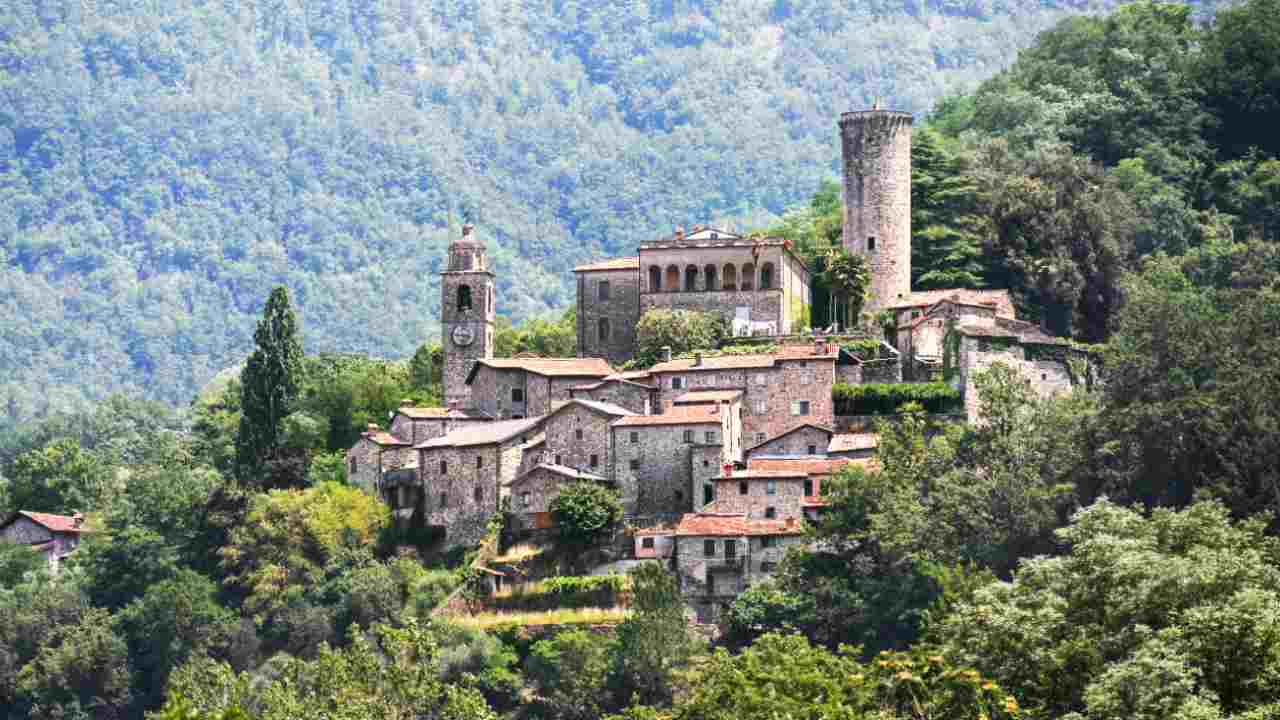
(165, 164)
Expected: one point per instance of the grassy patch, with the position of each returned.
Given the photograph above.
(561, 616)
(518, 554)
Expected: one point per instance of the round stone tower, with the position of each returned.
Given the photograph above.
(876, 150)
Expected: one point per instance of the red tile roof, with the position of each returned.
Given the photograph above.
(677, 415)
(801, 426)
(803, 465)
(997, 298)
(706, 396)
(1023, 332)
(484, 433)
(434, 413)
(626, 263)
(53, 523)
(734, 525)
(551, 367)
(845, 442)
(766, 473)
(385, 439)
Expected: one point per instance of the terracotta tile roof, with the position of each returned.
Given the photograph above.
(801, 426)
(484, 434)
(603, 408)
(706, 396)
(638, 379)
(571, 473)
(799, 465)
(51, 522)
(845, 442)
(813, 502)
(1024, 332)
(678, 415)
(385, 439)
(734, 525)
(998, 298)
(551, 367)
(626, 263)
(436, 413)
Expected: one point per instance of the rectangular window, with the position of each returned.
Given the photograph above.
(800, 407)
(557, 458)
(770, 513)
(771, 487)
(354, 464)
(709, 548)
(688, 436)
(478, 494)
(813, 449)
(524, 499)
(444, 467)
(635, 437)
(602, 290)
(871, 244)
(808, 487)
(595, 460)
(577, 434)
(768, 567)
(479, 461)
(730, 549)
(708, 494)
(517, 395)
(806, 377)
(677, 383)
(743, 487)
(444, 500)
(634, 464)
(761, 408)
(711, 437)
(646, 543)
(759, 438)
(767, 541)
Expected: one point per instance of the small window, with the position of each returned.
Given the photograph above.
(635, 437)
(557, 459)
(759, 438)
(743, 487)
(806, 378)
(677, 383)
(800, 407)
(871, 244)
(709, 548)
(517, 395)
(479, 461)
(524, 499)
(353, 465)
(767, 541)
(464, 297)
(761, 408)
(706, 463)
(808, 487)
(634, 464)
(688, 436)
(603, 330)
(679, 495)
(577, 434)
(708, 494)
(771, 513)
(595, 460)
(730, 549)
(478, 494)
(813, 449)
(768, 567)
(1044, 376)
(602, 290)
(444, 468)
(771, 487)
(444, 500)
(646, 543)
(711, 437)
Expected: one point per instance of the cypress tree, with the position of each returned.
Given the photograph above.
(269, 383)
(946, 246)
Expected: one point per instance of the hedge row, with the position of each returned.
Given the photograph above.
(886, 398)
(564, 592)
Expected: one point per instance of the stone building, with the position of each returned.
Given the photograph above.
(856, 446)
(514, 388)
(465, 474)
(608, 309)
(467, 313)
(803, 439)
(532, 493)
(631, 390)
(375, 453)
(730, 404)
(419, 424)
(659, 460)
(53, 536)
(876, 154)
(776, 494)
(1046, 362)
(922, 320)
(781, 389)
(578, 436)
(718, 555)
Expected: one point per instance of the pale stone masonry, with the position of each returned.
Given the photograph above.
(532, 493)
(1042, 360)
(53, 536)
(467, 313)
(719, 555)
(631, 390)
(374, 454)
(513, 388)
(761, 494)
(654, 457)
(419, 424)
(876, 153)
(608, 309)
(578, 436)
(806, 439)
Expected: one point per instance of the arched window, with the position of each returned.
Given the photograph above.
(464, 297)
(766, 276)
(655, 278)
(673, 279)
(730, 280)
(690, 279)
(748, 279)
(602, 329)
(709, 277)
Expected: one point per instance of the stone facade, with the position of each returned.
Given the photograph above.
(761, 494)
(1042, 360)
(608, 309)
(376, 452)
(532, 493)
(630, 394)
(654, 458)
(467, 313)
(876, 153)
(512, 388)
(803, 439)
(717, 556)
(53, 536)
(416, 425)
(578, 436)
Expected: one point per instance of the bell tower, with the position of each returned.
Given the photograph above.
(467, 312)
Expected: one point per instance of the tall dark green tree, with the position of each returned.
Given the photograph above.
(946, 242)
(268, 384)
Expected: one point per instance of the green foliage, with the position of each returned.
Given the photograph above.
(887, 398)
(545, 338)
(60, 478)
(585, 512)
(83, 667)
(654, 644)
(477, 659)
(946, 228)
(849, 278)
(1172, 615)
(681, 330)
(570, 672)
(566, 591)
(269, 385)
(426, 369)
(17, 561)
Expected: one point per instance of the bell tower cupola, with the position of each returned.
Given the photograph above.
(467, 313)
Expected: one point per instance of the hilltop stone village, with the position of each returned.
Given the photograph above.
(719, 459)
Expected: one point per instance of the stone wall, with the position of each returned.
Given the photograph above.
(621, 309)
(463, 495)
(709, 584)
(766, 306)
(888, 370)
(24, 531)
(575, 436)
(371, 460)
(662, 480)
(786, 499)
(805, 441)
(849, 374)
(532, 493)
(491, 392)
(706, 463)
(478, 319)
(876, 154)
(631, 396)
(1047, 377)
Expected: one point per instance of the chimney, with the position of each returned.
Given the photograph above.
(697, 359)
(466, 230)
(727, 469)
(453, 404)
(679, 233)
(77, 519)
(666, 353)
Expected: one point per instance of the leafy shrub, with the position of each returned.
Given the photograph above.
(565, 592)
(887, 398)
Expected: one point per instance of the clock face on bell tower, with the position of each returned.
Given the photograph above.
(467, 313)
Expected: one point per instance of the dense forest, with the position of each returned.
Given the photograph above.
(163, 165)
(1106, 554)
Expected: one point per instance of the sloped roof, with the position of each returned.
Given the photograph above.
(997, 298)
(604, 408)
(51, 522)
(484, 434)
(384, 438)
(439, 413)
(563, 470)
(678, 415)
(766, 473)
(625, 263)
(706, 396)
(1023, 332)
(822, 428)
(550, 367)
(748, 360)
(628, 378)
(733, 525)
(846, 442)
(807, 466)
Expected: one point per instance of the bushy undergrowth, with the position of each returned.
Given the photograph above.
(887, 398)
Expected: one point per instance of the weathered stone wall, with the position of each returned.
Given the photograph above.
(709, 584)
(805, 441)
(576, 436)
(765, 306)
(491, 392)
(532, 494)
(24, 531)
(479, 319)
(706, 463)
(850, 374)
(621, 309)
(662, 482)
(463, 495)
(628, 395)
(371, 460)
(662, 546)
(1047, 377)
(882, 371)
(788, 494)
(876, 152)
